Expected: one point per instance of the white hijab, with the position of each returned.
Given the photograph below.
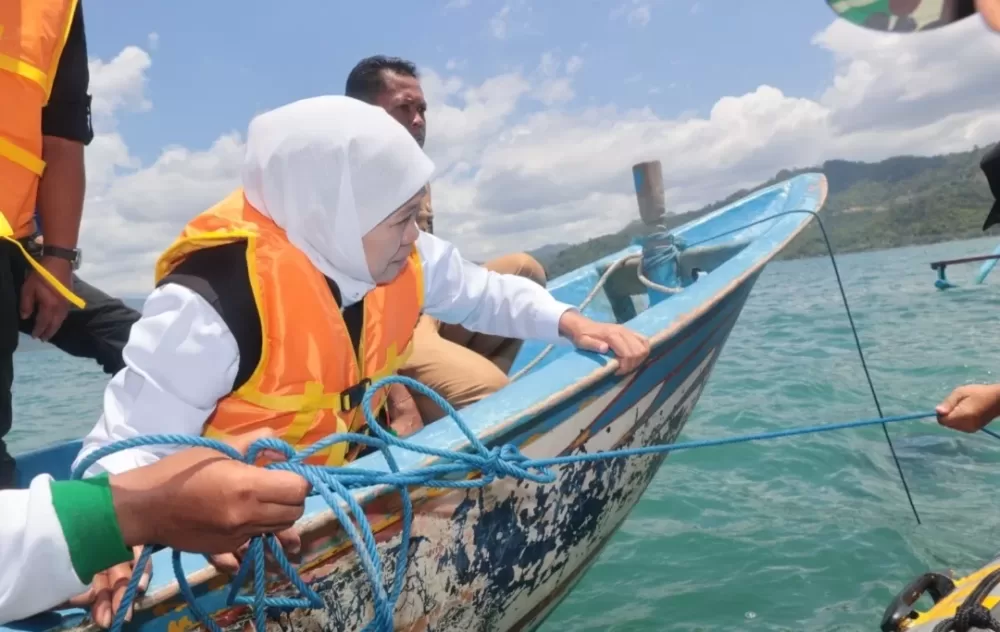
(327, 170)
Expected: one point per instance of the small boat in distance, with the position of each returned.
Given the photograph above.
(501, 557)
(989, 261)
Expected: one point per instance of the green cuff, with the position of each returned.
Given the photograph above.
(86, 512)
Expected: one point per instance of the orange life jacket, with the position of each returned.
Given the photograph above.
(310, 380)
(32, 36)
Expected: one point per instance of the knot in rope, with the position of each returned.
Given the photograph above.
(976, 616)
(660, 246)
(972, 614)
(336, 484)
(506, 461)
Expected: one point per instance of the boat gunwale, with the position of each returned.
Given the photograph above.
(312, 523)
(321, 517)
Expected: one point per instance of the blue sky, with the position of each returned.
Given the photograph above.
(537, 108)
(218, 62)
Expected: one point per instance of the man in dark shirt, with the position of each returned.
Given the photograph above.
(28, 304)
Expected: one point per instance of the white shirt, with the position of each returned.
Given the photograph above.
(36, 572)
(181, 358)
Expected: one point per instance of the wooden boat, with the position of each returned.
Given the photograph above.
(989, 262)
(502, 557)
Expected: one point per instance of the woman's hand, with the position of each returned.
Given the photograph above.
(229, 563)
(630, 347)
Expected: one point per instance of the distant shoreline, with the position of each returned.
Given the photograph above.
(901, 201)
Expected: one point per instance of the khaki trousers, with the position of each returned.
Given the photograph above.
(460, 365)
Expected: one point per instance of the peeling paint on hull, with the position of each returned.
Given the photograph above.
(501, 557)
(484, 559)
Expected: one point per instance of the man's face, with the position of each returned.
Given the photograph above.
(404, 100)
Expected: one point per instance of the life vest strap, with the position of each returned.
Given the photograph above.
(351, 397)
(24, 69)
(7, 234)
(21, 157)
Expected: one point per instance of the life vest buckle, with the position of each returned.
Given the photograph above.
(351, 398)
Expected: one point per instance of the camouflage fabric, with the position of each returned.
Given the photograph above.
(902, 15)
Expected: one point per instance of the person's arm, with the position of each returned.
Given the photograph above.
(66, 129)
(54, 536)
(180, 360)
(58, 536)
(460, 292)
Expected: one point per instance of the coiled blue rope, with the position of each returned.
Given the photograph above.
(335, 484)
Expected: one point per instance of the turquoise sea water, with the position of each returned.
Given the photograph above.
(804, 533)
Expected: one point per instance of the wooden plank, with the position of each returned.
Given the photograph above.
(648, 179)
(940, 264)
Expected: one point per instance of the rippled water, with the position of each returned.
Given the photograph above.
(803, 533)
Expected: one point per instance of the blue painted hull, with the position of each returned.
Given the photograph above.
(501, 557)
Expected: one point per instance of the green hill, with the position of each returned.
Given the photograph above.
(899, 201)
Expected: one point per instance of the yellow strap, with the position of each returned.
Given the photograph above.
(7, 234)
(303, 421)
(337, 453)
(26, 70)
(22, 157)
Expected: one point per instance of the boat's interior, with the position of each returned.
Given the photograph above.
(704, 246)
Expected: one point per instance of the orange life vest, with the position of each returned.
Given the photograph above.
(32, 36)
(309, 381)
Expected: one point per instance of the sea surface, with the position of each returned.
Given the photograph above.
(802, 533)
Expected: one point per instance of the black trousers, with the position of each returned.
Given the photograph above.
(99, 331)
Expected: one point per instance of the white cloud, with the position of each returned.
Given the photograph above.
(637, 12)
(512, 19)
(119, 83)
(551, 167)
(512, 176)
(553, 88)
(457, 4)
(133, 211)
(499, 22)
(640, 15)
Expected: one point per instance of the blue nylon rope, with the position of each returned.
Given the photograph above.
(850, 318)
(335, 484)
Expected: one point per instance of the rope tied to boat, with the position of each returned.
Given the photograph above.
(972, 614)
(336, 484)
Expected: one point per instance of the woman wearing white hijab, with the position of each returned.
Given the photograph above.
(322, 244)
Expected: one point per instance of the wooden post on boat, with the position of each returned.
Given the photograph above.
(648, 178)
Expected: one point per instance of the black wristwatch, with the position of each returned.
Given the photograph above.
(73, 255)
